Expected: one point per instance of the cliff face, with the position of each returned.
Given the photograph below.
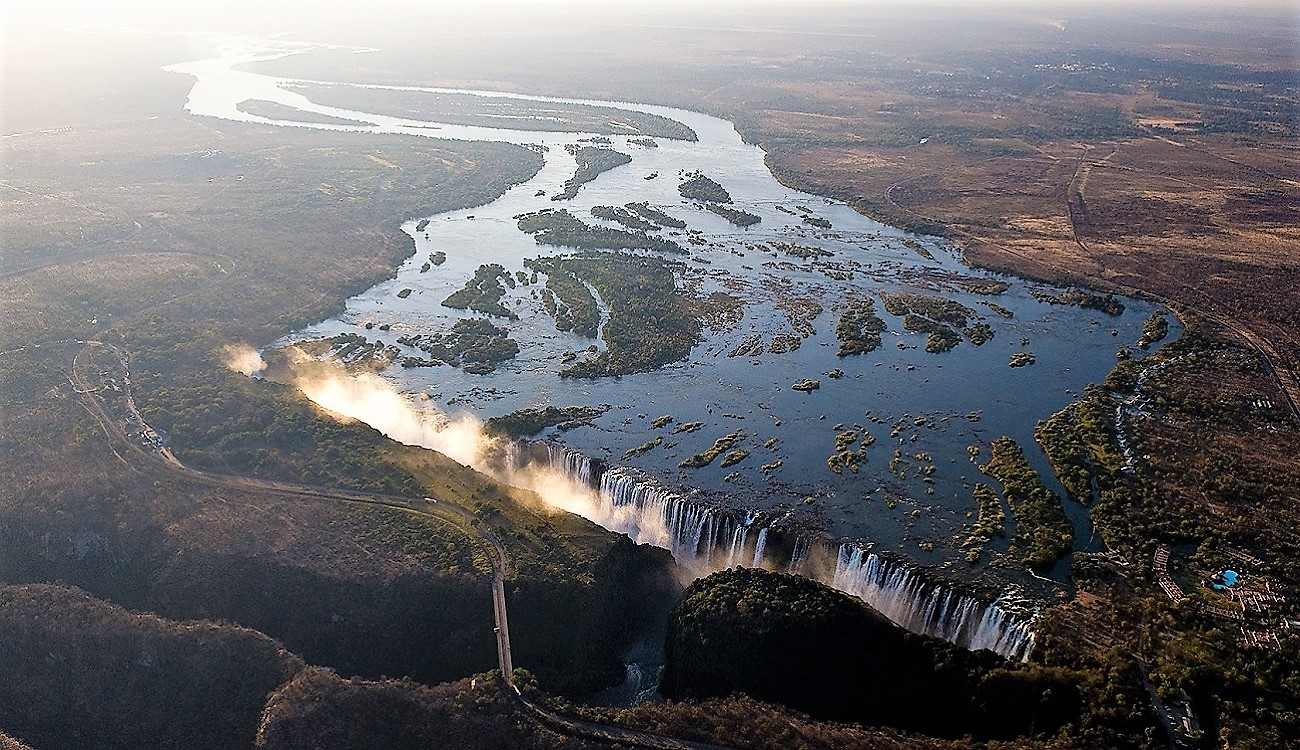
(318, 709)
(797, 642)
(83, 672)
(79, 672)
(428, 625)
(366, 590)
(572, 635)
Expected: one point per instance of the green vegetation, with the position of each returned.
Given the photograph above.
(559, 227)
(784, 343)
(734, 215)
(474, 344)
(528, 422)
(645, 447)
(651, 323)
(918, 248)
(1043, 533)
(1185, 483)
(939, 318)
(220, 421)
(1105, 303)
(940, 310)
(806, 385)
(1080, 442)
(706, 457)
(859, 328)
(845, 455)
(990, 521)
(355, 349)
(655, 215)
(697, 187)
(592, 161)
(803, 252)
(624, 216)
(1155, 329)
(734, 457)
(482, 293)
(1022, 359)
(567, 299)
(940, 338)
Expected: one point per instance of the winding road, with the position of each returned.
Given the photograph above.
(434, 508)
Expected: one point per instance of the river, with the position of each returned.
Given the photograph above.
(911, 493)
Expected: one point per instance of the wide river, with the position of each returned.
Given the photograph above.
(912, 492)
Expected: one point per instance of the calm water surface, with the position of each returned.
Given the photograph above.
(929, 408)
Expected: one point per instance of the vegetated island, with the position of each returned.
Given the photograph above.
(592, 161)
(653, 214)
(474, 344)
(1043, 533)
(941, 319)
(990, 521)
(456, 108)
(1081, 441)
(483, 292)
(734, 215)
(720, 446)
(1105, 303)
(637, 217)
(1154, 330)
(277, 111)
(560, 227)
(845, 455)
(567, 299)
(698, 187)
(529, 422)
(859, 328)
(651, 322)
(624, 216)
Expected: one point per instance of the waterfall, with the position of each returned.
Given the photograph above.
(706, 538)
(738, 538)
(651, 514)
(802, 548)
(759, 546)
(570, 462)
(897, 592)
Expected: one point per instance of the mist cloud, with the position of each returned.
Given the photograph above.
(243, 359)
(370, 399)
